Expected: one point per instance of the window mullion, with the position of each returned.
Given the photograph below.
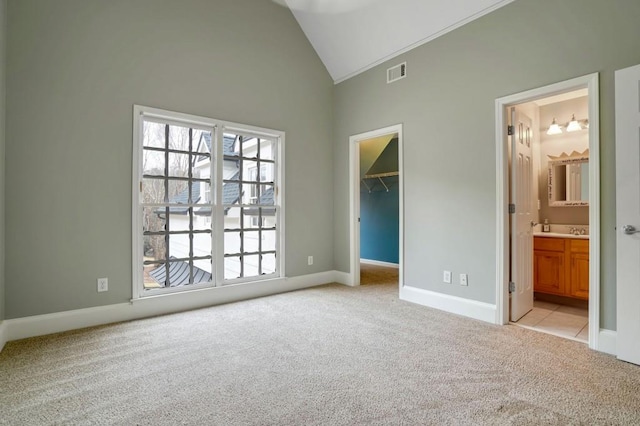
(175, 178)
(241, 178)
(191, 210)
(260, 240)
(167, 265)
(217, 205)
(277, 204)
(259, 194)
(174, 151)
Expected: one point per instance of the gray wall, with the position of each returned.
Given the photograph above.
(74, 70)
(447, 107)
(3, 16)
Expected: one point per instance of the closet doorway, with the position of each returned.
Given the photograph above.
(376, 203)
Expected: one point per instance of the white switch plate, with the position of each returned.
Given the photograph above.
(310, 260)
(463, 279)
(103, 284)
(446, 277)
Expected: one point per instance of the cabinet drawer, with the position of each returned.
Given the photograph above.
(549, 244)
(579, 246)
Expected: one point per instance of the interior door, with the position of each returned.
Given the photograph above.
(628, 212)
(521, 221)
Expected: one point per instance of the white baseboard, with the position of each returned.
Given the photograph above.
(343, 278)
(38, 325)
(3, 334)
(456, 305)
(380, 263)
(607, 341)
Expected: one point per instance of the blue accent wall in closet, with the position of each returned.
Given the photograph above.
(379, 221)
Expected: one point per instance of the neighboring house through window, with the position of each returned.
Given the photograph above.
(195, 228)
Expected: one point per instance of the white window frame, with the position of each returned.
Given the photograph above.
(218, 128)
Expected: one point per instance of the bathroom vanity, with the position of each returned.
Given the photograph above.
(561, 264)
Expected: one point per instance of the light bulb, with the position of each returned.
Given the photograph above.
(573, 125)
(554, 129)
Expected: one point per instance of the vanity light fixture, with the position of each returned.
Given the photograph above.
(573, 125)
(555, 128)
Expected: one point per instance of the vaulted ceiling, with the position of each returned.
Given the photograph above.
(351, 36)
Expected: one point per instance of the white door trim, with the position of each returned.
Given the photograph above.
(354, 199)
(591, 82)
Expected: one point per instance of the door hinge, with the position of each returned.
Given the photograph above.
(510, 130)
(512, 287)
(512, 208)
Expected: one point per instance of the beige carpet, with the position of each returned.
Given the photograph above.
(331, 355)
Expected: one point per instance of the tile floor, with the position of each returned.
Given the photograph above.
(559, 320)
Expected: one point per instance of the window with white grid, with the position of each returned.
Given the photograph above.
(206, 202)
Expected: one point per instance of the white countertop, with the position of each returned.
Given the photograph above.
(560, 235)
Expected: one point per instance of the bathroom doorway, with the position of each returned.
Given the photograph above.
(550, 251)
(376, 195)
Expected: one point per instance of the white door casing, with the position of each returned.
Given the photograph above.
(521, 220)
(627, 89)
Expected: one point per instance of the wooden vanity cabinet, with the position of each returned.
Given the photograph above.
(579, 268)
(561, 266)
(548, 265)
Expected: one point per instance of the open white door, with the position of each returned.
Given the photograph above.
(522, 218)
(628, 212)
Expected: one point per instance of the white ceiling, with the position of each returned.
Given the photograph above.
(351, 36)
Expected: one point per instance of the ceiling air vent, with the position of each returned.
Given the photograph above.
(397, 72)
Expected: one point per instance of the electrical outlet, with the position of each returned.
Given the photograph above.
(464, 279)
(310, 260)
(103, 284)
(446, 277)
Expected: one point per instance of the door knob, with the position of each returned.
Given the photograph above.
(629, 229)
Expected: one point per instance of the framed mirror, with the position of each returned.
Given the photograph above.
(569, 182)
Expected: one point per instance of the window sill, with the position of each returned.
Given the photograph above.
(206, 290)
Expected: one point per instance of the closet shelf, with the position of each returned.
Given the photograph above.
(381, 175)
